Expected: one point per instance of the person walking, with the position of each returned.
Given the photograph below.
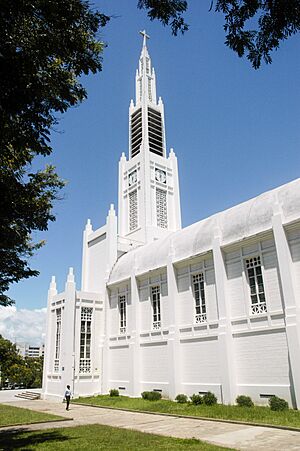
(68, 396)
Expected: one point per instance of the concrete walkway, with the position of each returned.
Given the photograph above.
(224, 434)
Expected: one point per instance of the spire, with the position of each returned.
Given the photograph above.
(145, 76)
(146, 115)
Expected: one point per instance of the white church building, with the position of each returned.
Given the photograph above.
(211, 307)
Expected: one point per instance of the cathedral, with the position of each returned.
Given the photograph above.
(211, 307)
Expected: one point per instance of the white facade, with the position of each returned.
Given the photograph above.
(212, 307)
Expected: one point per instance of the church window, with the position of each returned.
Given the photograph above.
(142, 64)
(161, 208)
(256, 285)
(57, 340)
(149, 90)
(199, 296)
(136, 132)
(122, 310)
(155, 299)
(85, 340)
(147, 65)
(133, 213)
(155, 130)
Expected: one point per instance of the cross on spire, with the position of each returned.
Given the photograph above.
(145, 37)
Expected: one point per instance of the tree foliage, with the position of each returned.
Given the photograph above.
(8, 356)
(16, 370)
(253, 27)
(45, 46)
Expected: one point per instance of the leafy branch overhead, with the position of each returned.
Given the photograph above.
(253, 27)
(45, 46)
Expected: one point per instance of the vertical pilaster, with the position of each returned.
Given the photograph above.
(85, 260)
(176, 211)
(122, 213)
(134, 346)
(173, 336)
(292, 311)
(105, 346)
(48, 363)
(225, 339)
(68, 332)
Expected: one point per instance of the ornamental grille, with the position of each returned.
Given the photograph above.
(136, 131)
(199, 295)
(85, 339)
(155, 131)
(86, 313)
(155, 298)
(161, 208)
(122, 310)
(256, 284)
(84, 365)
(133, 210)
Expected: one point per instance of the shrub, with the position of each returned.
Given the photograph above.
(114, 392)
(244, 401)
(276, 403)
(181, 398)
(209, 399)
(151, 395)
(197, 399)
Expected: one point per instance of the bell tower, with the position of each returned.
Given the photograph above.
(149, 201)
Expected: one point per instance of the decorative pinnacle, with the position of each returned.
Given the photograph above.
(145, 37)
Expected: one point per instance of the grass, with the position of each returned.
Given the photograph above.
(10, 416)
(97, 437)
(257, 414)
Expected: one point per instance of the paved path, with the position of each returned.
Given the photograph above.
(224, 434)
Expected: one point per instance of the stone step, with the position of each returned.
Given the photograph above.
(28, 395)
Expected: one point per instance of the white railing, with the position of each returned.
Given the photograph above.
(157, 325)
(258, 308)
(200, 318)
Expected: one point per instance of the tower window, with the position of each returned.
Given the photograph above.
(199, 296)
(149, 90)
(122, 310)
(155, 132)
(161, 208)
(57, 340)
(155, 299)
(85, 340)
(256, 284)
(136, 132)
(133, 210)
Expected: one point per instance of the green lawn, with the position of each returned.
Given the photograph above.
(98, 437)
(255, 414)
(10, 415)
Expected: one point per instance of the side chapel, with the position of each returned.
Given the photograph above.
(211, 307)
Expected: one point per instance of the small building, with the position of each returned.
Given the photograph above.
(211, 307)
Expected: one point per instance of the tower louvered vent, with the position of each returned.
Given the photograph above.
(155, 132)
(136, 132)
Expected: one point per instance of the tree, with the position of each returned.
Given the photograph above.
(45, 45)
(9, 356)
(253, 27)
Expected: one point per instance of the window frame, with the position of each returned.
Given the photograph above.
(122, 305)
(260, 307)
(200, 305)
(156, 306)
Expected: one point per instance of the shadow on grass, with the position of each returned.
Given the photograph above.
(16, 439)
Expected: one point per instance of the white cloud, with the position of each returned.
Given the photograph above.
(27, 326)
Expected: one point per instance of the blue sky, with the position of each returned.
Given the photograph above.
(235, 130)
